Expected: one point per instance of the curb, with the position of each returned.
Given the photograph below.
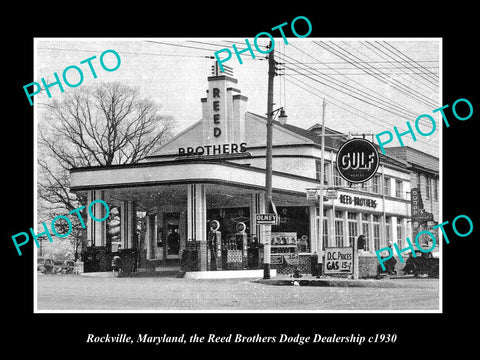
(227, 274)
(100, 274)
(380, 283)
(140, 274)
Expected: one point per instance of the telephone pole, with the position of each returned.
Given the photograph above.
(320, 198)
(267, 229)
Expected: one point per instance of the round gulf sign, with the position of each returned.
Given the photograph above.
(357, 160)
(214, 225)
(241, 227)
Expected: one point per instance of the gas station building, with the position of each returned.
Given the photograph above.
(215, 170)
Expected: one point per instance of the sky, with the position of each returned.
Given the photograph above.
(369, 85)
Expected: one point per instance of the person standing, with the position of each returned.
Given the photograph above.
(116, 261)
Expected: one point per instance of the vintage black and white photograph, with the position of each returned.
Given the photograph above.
(296, 174)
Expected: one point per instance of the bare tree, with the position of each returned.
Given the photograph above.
(105, 125)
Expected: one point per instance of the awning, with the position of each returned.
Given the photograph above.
(185, 172)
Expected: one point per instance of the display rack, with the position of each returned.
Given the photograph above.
(283, 248)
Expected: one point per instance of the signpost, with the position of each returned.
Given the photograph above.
(311, 194)
(331, 194)
(267, 219)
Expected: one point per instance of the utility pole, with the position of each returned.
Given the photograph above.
(267, 229)
(320, 198)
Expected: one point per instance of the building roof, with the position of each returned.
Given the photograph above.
(311, 135)
(314, 134)
(415, 159)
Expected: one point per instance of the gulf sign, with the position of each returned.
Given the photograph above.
(357, 160)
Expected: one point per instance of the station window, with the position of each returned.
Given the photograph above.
(367, 185)
(399, 188)
(317, 212)
(337, 179)
(376, 184)
(352, 227)
(388, 229)
(338, 228)
(427, 188)
(376, 232)
(366, 233)
(386, 186)
(326, 171)
(366, 230)
(325, 233)
(399, 233)
(364, 186)
(339, 233)
(352, 216)
(325, 225)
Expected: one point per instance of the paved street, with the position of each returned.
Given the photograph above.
(73, 292)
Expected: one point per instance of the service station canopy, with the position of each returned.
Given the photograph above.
(167, 180)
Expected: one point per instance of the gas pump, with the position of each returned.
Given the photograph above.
(215, 245)
(241, 237)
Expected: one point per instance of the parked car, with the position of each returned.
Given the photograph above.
(67, 267)
(48, 267)
(422, 264)
(40, 262)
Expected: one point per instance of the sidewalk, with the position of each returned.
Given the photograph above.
(326, 281)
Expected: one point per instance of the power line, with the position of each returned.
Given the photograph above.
(357, 96)
(396, 83)
(372, 44)
(406, 70)
(183, 46)
(322, 95)
(340, 101)
(410, 59)
(382, 99)
(404, 89)
(360, 94)
(416, 82)
(429, 77)
(427, 142)
(377, 120)
(200, 42)
(374, 62)
(204, 43)
(130, 53)
(411, 113)
(364, 74)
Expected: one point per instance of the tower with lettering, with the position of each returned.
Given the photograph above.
(223, 115)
